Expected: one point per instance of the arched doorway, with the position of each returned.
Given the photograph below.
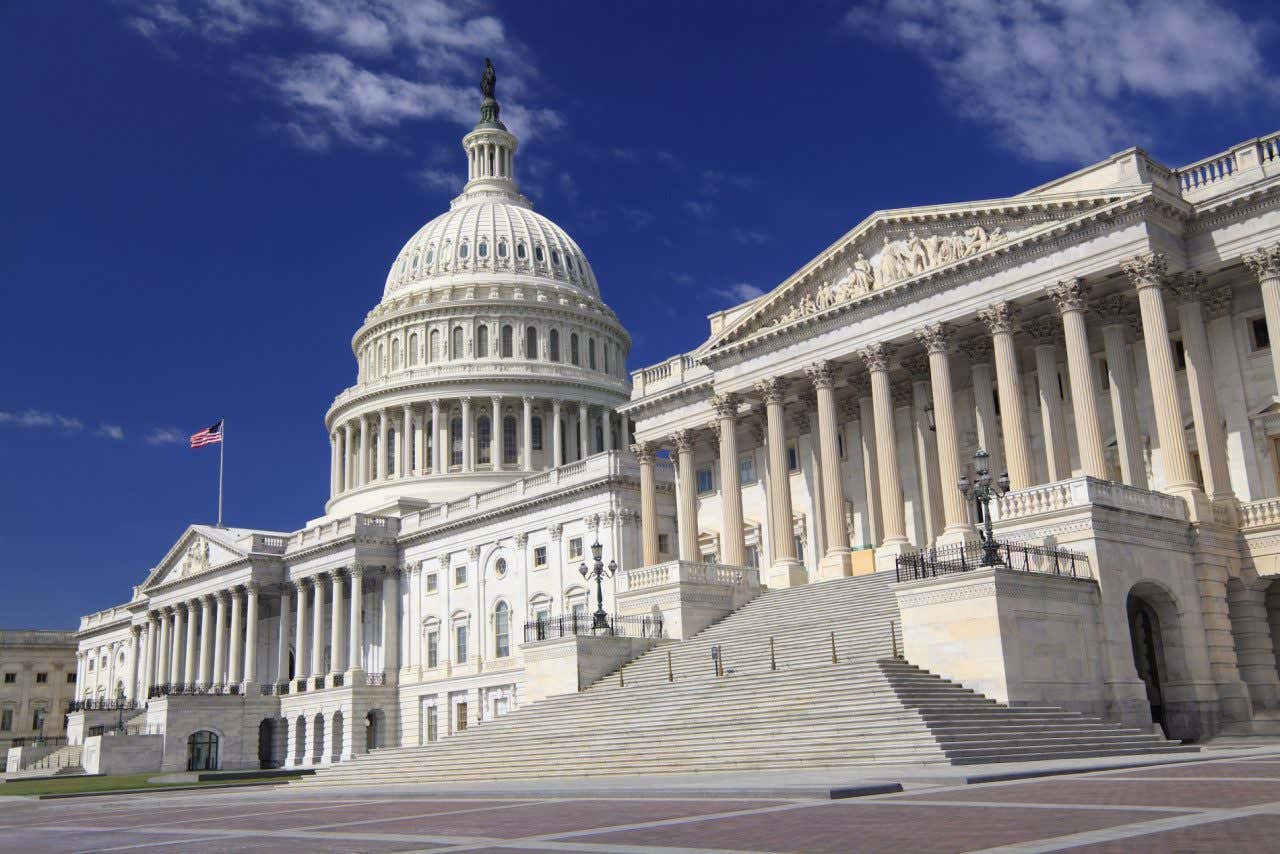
(1148, 654)
(335, 749)
(300, 740)
(271, 748)
(317, 739)
(374, 724)
(202, 751)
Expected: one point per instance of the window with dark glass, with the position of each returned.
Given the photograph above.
(506, 342)
(530, 343)
(509, 451)
(535, 425)
(484, 437)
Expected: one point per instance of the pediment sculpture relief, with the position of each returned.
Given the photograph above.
(196, 559)
(897, 260)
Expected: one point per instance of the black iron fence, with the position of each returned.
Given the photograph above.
(966, 557)
(102, 704)
(127, 729)
(39, 741)
(168, 689)
(375, 680)
(571, 625)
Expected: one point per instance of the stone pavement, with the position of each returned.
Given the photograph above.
(1228, 800)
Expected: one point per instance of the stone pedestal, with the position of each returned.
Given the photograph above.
(686, 596)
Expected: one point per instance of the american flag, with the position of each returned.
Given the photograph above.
(208, 436)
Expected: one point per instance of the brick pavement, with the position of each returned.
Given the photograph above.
(1212, 805)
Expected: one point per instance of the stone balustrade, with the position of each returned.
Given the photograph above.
(1211, 173)
(1084, 491)
(669, 374)
(687, 572)
(1260, 515)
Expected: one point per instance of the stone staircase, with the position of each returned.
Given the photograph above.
(63, 761)
(794, 710)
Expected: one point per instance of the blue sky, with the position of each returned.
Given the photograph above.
(201, 199)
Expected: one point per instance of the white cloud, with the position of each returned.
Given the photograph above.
(41, 420)
(440, 179)
(165, 436)
(111, 431)
(738, 293)
(750, 237)
(636, 217)
(1074, 80)
(358, 69)
(699, 209)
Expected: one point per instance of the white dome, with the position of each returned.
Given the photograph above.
(495, 233)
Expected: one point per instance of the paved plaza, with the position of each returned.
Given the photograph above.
(1228, 803)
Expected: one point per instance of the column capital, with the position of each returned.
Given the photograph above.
(473, 552)
(1001, 317)
(1070, 295)
(934, 338)
(555, 404)
(876, 356)
(391, 572)
(771, 389)
(556, 531)
(1187, 287)
(1264, 262)
(645, 452)
(1044, 330)
(1147, 270)
(522, 540)
(821, 375)
(1113, 309)
(435, 408)
(686, 441)
(1217, 302)
(725, 405)
(356, 570)
(222, 596)
(445, 560)
(977, 349)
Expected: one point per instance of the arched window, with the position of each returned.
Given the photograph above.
(434, 355)
(395, 354)
(599, 446)
(538, 254)
(464, 250)
(535, 427)
(484, 437)
(531, 343)
(573, 348)
(509, 440)
(457, 351)
(502, 249)
(413, 349)
(591, 353)
(455, 441)
(202, 751)
(431, 255)
(501, 630)
(482, 249)
(555, 258)
(521, 252)
(604, 349)
(430, 444)
(382, 359)
(553, 345)
(375, 442)
(415, 261)
(391, 450)
(482, 342)
(506, 342)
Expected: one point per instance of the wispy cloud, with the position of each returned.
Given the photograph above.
(439, 179)
(38, 419)
(111, 431)
(636, 217)
(750, 237)
(165, 436)
(699, 208)
(681, 278)
(1075, 80)
(356, 70)
(739, 292)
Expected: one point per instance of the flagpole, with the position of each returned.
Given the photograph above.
(221, 454)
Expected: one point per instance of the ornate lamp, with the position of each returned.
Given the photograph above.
(599, 620)
(982, 489)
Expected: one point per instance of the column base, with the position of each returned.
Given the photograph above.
(958, 536)
(1199, 508)
(887, 554)
(787, 573)
(836, 563)
(355, 677)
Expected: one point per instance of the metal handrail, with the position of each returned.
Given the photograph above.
(967, 557)
(571, 625)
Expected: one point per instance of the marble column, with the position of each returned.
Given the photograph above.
(153, 650)
(645, 453)
(317, 627)
(220, 639)
(836, 562)
(1001, 319)
(526, 434)
(860, 385)
(250, 670)
(337, 626)
(235, 651)
(584, 432)
(557, 450)
(1148, 273)
(189, 674)
(301, 654)
(1211, 436)
(468, 458)
(135, 651)
(497, 446)
(930, 483)
(1071, 295)
(955, 510)
(169, 652)
(282, 636)
(403, 469)
(1044, 331)
(785, 569)
(333, 463)
(355, 665)
(978, 352)
(1265, 265)
(733, 547)
(348, 458)
(206, 642)
(420, 461)
(1114, 310)
(381, 467)
(687, 508)
(391, 623)
(362, 476)
(893, 525)
(437, 443)
(606, 429)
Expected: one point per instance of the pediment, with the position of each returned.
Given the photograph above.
(197, 551)
(890, 250)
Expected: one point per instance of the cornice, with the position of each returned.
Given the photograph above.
(1227, 208)
(698, 389)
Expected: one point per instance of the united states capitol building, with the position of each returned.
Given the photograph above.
(1103, 338)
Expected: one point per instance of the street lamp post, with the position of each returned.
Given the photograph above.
(981, 489)
(600, 620)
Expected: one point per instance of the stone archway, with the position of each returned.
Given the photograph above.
(1147, 642)
(300, 740)
(375, 723)
(336, 726)
(317, 739)
(271, 743)
(1159, 656)
(202, 751)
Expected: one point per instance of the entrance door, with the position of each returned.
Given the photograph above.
(202, 751)
(265, 731)
(1148, 654)
(460, 716)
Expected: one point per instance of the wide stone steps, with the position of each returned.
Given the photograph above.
(64, 760)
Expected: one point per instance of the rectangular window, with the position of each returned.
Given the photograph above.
(433, 732)
(37, 719)
(753, 557)
(799, 541)
(71, 679)
(42, 678)
(433, 582)
(1179, 355)
(664, 544)
(747, 469)
(433, 648)
(708, 557)
(460, 574)
(1259, 335)
(460, 644)
(459, 717)
(540, 556)
(6, 720)
(705, 482)
(575, 548)
(579, 611)
(793, 457)
(10, 678)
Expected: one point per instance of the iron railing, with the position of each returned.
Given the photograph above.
(570, 625)
(127, 729)
(39, 741)
(375, 680)
(167, 689)
(966, 557)
(102, 704)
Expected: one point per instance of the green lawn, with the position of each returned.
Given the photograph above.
(67, 785)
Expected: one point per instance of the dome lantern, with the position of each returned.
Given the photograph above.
(490, 147)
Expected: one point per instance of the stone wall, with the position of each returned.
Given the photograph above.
(122, 754)
(567, 665)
